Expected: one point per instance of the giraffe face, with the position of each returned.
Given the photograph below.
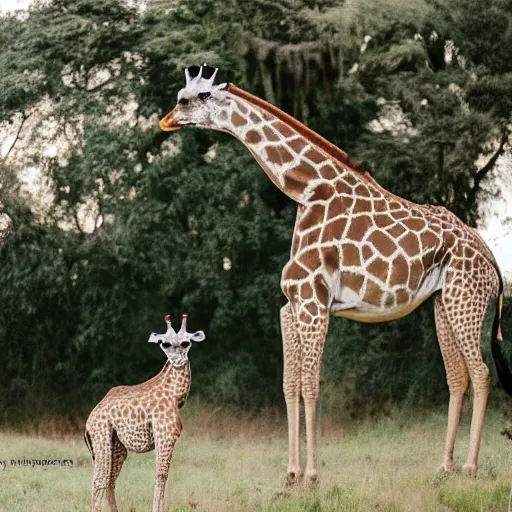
(176, 344)
(176, 351)
(199, 102)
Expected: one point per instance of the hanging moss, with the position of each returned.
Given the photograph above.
(289, 73)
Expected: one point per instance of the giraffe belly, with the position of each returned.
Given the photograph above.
(352, 306)
(136, 439)
(374, 315)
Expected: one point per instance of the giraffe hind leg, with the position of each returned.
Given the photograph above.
(457, 376)
(465, 312)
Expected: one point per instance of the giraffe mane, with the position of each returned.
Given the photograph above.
(315, 138)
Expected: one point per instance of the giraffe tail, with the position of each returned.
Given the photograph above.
(88, 442)
(500, 358)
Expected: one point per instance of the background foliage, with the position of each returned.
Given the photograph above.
(188, 222)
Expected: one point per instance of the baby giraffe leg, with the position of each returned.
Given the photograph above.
(165, 439)
(119, 455)
(102, 445)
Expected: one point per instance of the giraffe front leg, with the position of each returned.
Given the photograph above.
(159, 492)
(165, 436)
(163, 461)
(312, 333)
(291, 388)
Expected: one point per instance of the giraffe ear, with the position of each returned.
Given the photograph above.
(197, 336)
(155, 338)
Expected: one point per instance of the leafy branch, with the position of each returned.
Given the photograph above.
(24, 117)
(482, 173)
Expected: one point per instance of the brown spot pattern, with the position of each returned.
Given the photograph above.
(373, 293)
(379, 268)
(382, 242)
(315, 156)
(321, 192)
(298, 144)
(359, 226)
(237, 119)
(270, 134)
(278, 155)
(410, 244)
(350, 256)
(328, 172)
(253, 137)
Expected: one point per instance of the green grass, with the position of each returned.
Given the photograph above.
(226, 463)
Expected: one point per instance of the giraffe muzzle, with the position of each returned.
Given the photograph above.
(168, 123)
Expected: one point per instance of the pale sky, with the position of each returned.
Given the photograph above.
(496, 213)
(11, 5)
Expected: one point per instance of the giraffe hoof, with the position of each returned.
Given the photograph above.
(293, 478)
(469, 470)
(445, 468)
(311, 480)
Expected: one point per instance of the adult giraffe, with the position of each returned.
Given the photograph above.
(358, 252)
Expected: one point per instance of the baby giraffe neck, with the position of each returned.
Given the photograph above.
(175, 381)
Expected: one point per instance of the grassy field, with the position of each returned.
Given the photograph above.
(225, 463)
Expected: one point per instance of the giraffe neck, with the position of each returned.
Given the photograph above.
(294, 157)
(175, 381)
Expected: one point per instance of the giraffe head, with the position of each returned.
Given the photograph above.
(176, 344)
(199, 102)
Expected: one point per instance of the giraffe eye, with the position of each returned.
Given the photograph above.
(183, 101)
(204, 95)
(166, 344)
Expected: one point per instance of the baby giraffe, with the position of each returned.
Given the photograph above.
(141, 417)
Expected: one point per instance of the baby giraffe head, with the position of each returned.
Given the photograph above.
(176, 344)
(199, 102)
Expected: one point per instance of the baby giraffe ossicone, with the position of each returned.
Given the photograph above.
(141, 418)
